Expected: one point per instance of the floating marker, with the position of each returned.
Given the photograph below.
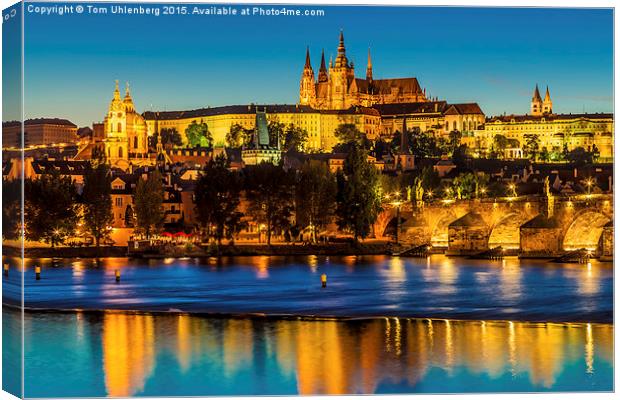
(6, 269)
(323, 280)
(117, 273)
(37, 272)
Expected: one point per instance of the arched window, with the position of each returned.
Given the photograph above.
(454, 125)
(120, 152)
(120, 127)
(135, 142)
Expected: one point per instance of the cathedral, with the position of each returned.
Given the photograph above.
(339, 89)
(125, 132)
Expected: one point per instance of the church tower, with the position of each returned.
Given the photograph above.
(125, 134)
(537, 103)
(323, 77)
(307, 92)
(547, 107)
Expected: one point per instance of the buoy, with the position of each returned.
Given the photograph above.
(37, 272)
(6, 269)
(117, 273)
(323, 280)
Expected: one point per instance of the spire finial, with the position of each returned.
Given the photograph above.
(127, 89)
(117, 93)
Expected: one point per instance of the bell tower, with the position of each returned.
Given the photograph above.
(536, 105)
(547, 107)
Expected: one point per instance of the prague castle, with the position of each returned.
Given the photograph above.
(339, 89)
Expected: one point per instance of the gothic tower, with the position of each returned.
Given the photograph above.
(547, 107)
(323, 77)
(537, 103)
(307, 92)
(341, 74)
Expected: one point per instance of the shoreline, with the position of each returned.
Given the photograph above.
(339, 249)
(282, 316)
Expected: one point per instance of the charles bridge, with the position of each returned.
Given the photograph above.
(544, 226)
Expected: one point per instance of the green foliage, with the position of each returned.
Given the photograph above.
(269, 189)
(544, 155)
(358, 198)
(238, 136)
(349, 136)
(170, 137)
(97, 201)
(424, 145)
(217, 200)
(532, 143)
(500, 143)
(50, 208)
(148, 199)
(198, 135)
(295, 138)
(276, 133)
(580, 157)
(315, 197)
(11, 208)
(465, 186)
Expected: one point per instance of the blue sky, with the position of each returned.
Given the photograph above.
(492, 56)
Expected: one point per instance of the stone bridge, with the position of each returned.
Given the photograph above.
(530, 226)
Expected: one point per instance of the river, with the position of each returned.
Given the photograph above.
(403, 325)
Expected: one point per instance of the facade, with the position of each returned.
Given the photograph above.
(320, 124)
(554, 131)
(39, 132)
(125, 132)
(339, 89)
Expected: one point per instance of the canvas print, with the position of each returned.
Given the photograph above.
(211, 199)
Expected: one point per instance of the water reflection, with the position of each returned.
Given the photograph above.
(336, 357)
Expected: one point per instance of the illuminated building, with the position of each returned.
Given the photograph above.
(39, 132)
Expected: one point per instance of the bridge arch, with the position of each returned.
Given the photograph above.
(506, 231)
(439, 234)
(585, 230)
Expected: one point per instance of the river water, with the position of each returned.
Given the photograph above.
(419, 325)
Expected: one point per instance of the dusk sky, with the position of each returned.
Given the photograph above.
(490, 56)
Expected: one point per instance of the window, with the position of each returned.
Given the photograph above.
(120, 152)
(119, 127)
(119, 201)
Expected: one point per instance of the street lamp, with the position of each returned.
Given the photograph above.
(513, 189)
(589, 183)
(483, 191)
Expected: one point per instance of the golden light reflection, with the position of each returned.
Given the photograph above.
(128, 352)
(262, 267)
(313, 262)
(336, 357)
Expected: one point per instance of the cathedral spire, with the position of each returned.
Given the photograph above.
(547, 95)
(341, 58)
(308, 64)
(536, 94)
(322, 70)
(404, 138)
(369, 67)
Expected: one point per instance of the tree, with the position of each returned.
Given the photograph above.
(295, 138)
(198, 135)
(465, 186)
(454, 140)
(500, 142)
(544, 155)
(532, 143)
(276, 133)
(348, 135)
(238, 136)
(217, 200)
(424, 145)
(579, 157)
(270, 191)
(11, 208)
(460, 156)
(358, 197)
(50, 208)
(171, 137)
(97, 201)
(148, 200)
(316, 196)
